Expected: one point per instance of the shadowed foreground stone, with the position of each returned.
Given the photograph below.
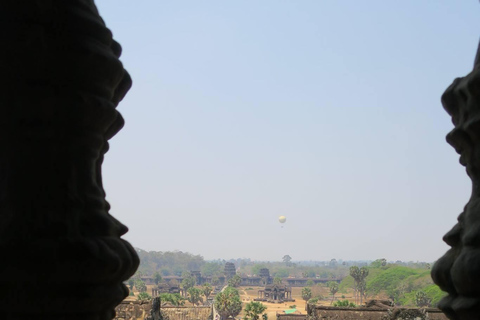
(61, 80)
(458, 271)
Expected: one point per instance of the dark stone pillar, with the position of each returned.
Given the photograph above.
(61, 80)
(458, 271)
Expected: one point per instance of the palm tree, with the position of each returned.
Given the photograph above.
(333, 286)
(362, 285)
(254, 309)
(157, 277)
(235, 281)
(174, 298)
(355, 274)
(228, 303)
(215, 281)
(194, 296)
(187, 283)
(207, 290)
(306, 295)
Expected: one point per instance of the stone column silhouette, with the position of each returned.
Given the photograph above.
(60, 82)
(458, 271)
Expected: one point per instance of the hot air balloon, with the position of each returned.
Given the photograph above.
(282, 219)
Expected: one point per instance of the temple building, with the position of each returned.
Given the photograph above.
(265, 276)
(275, 293)
(164, 287)
(229, 270)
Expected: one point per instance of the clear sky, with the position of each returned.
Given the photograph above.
(325, 111)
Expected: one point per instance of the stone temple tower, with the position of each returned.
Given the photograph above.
(229, 271)
(264, 273)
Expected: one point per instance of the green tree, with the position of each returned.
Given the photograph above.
(310, 283)
(188, 283)
(194, 296)
(333, 263)
(355, 274)
(165, 272)
(306, 294)
(140, 285)
(421, 299)
(379, 263)
(362, 284)
(168, 262)
(157, 277)
(344, 303)
(235, 281)
(333, 286)
(435, 294)
(287, 259)
(173, 298)
(215, 281)
(277, 280)
(282, 272)
(362, 289)
(131, 283)
(359, 275)
(143, 296)
(210, 269)
(254, 309)
(309, 274)
(399, 282)
(257, 267)
(228, 303)
(393, 278)
(207, 290)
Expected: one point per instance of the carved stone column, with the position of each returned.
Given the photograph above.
(458, 271)
(60, 82)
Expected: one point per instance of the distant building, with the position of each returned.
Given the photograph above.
(265, 276)
(229, 270)
(164, 287)
(275, 293)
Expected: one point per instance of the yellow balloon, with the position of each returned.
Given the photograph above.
(282, 219)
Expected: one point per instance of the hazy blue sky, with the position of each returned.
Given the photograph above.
(325, 111)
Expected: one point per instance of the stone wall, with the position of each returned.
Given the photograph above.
(139, 310)
(132, 310)
(281, 316)
(339, 313)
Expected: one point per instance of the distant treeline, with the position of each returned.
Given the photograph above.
(176, 263)
(168, 263)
